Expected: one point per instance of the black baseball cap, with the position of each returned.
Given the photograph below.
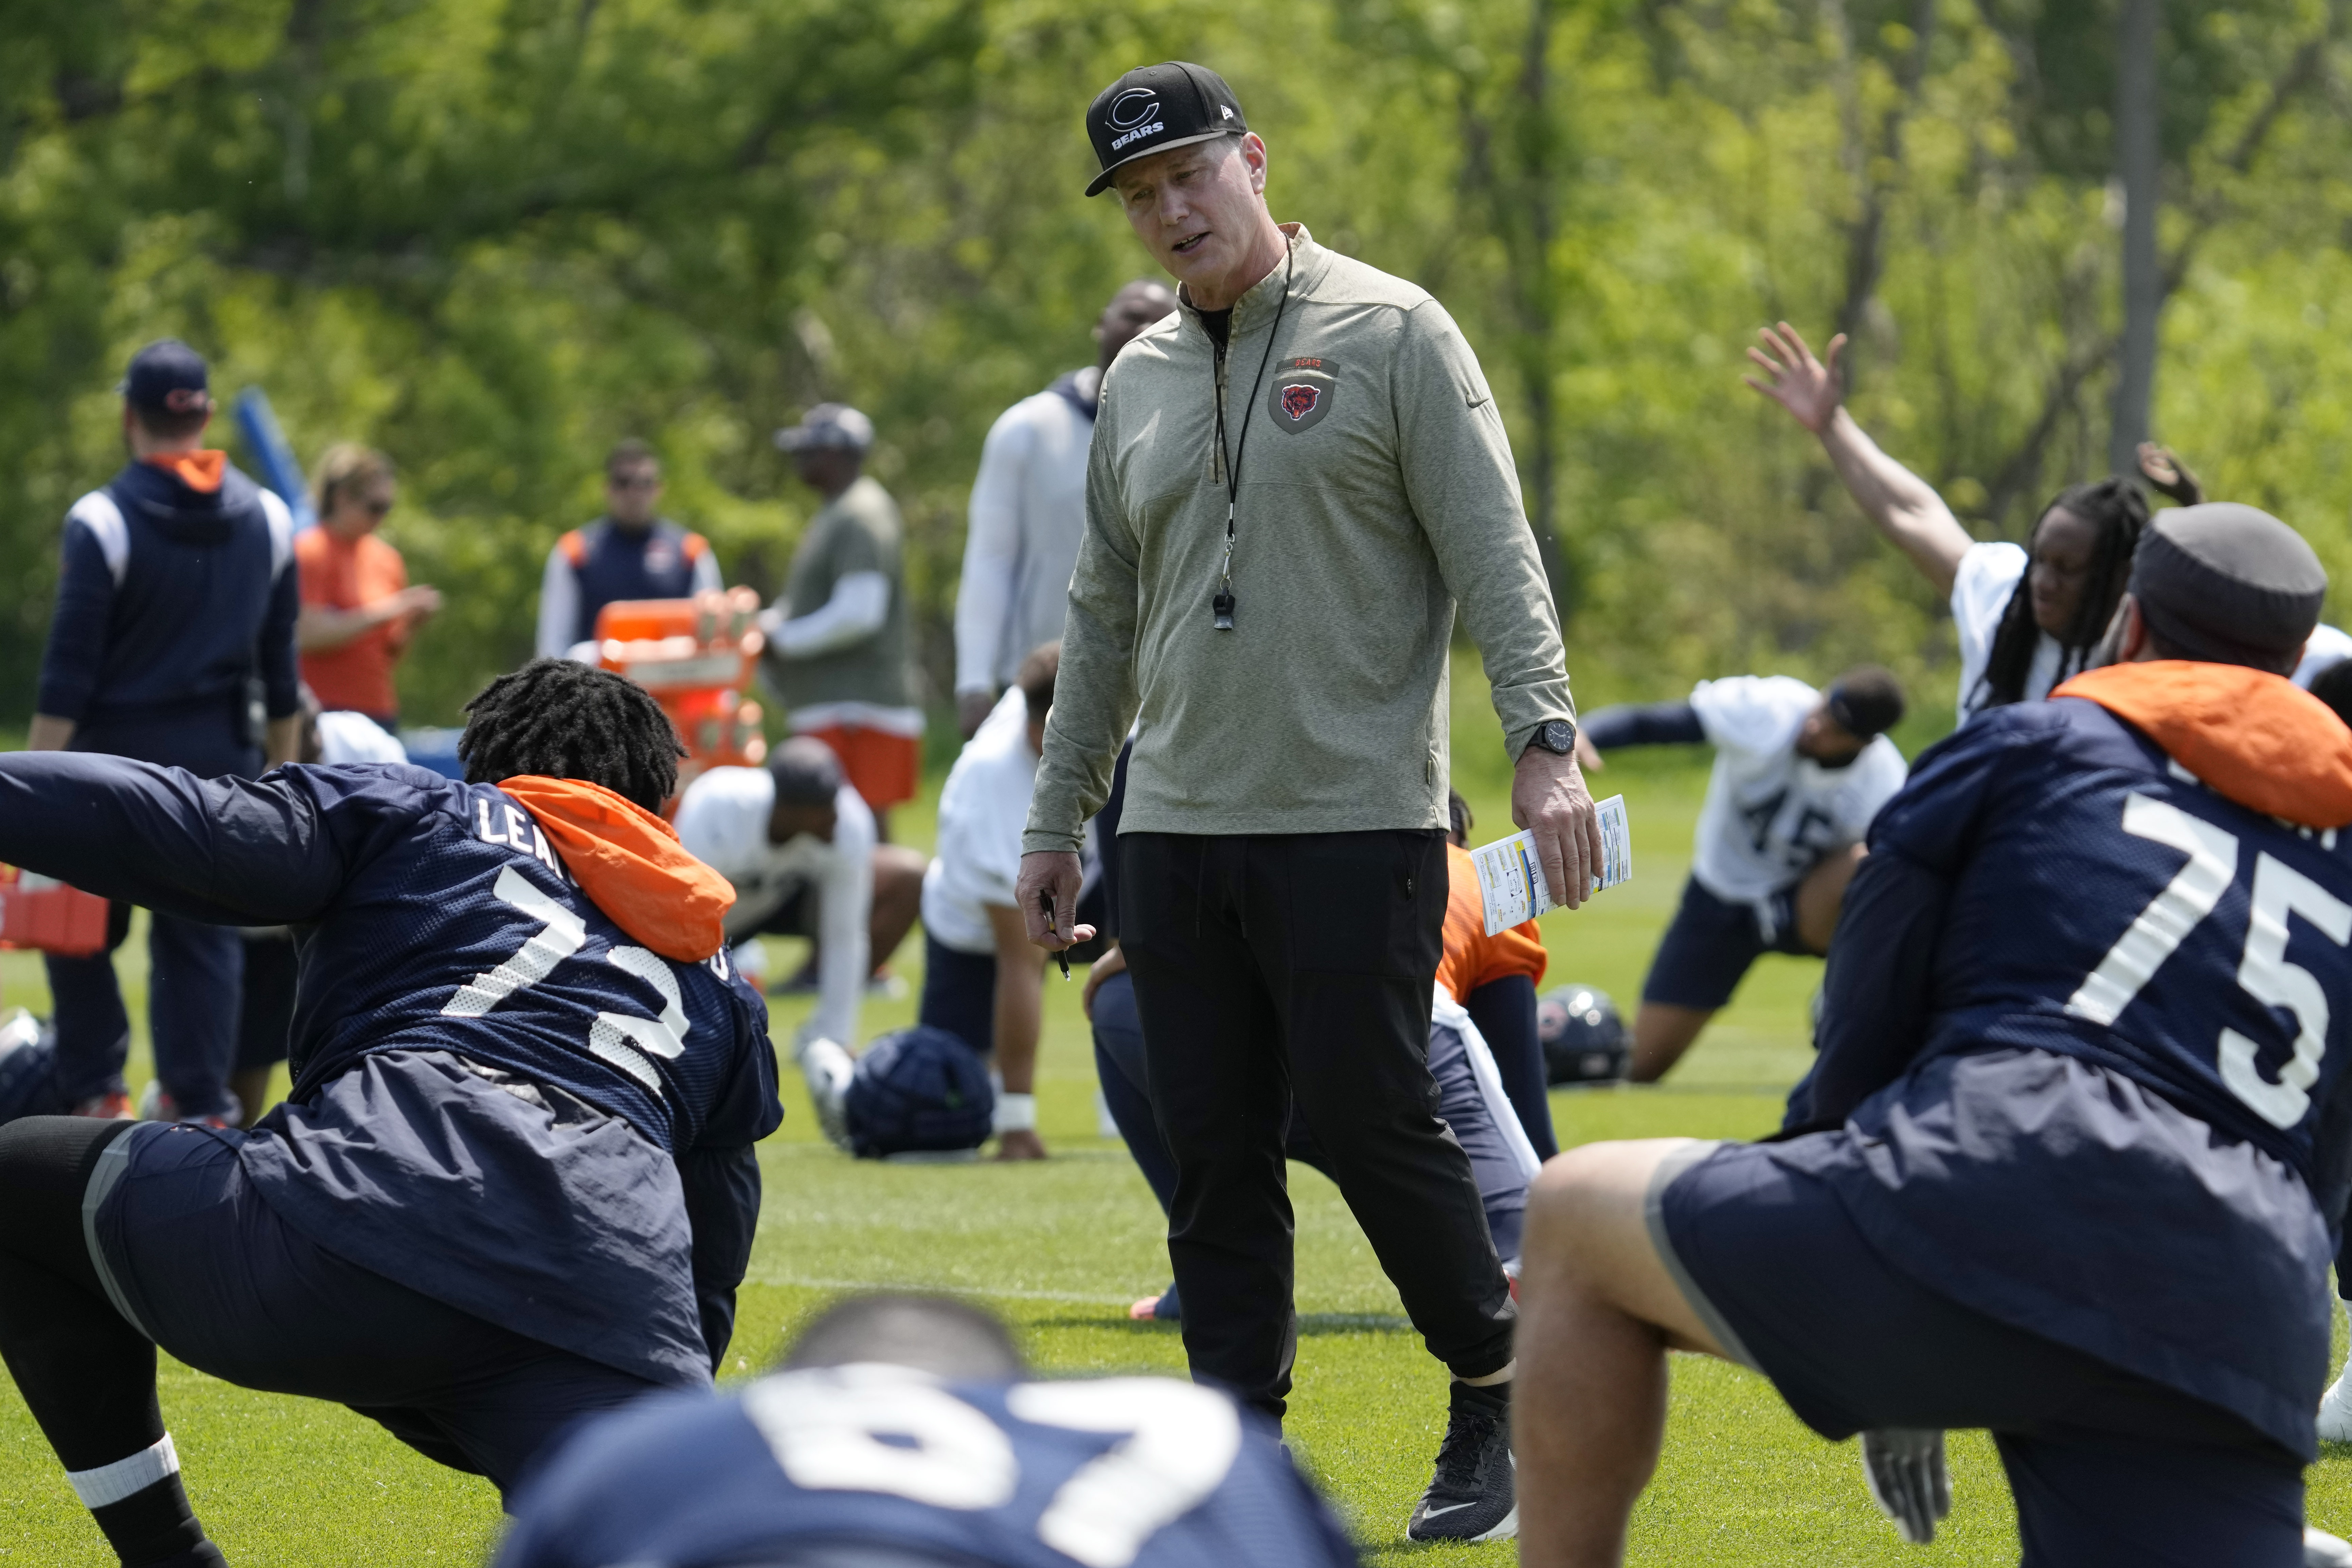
(166, 377)
(1154, 107)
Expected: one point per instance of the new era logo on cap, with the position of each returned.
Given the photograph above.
(1155, 108)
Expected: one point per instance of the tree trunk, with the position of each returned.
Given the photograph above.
(1538, 297)
(2137, 153)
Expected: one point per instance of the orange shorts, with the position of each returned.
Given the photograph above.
(884, 768)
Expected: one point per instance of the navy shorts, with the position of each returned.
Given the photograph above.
(958, 993)
(2106, 1467)
(1707, 949)
(195, 1258)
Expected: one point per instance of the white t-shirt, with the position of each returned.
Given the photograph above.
(1988, 577)
(2327, 648)
(982, 810)
(1028, 513)
(723, 823)
(1770, 815)
(345, 737)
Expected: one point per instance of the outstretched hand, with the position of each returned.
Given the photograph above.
(1807, 387)
(2162, 466)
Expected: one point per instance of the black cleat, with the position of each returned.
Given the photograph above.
(1474, 1496)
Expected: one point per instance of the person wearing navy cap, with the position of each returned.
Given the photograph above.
(173, 642)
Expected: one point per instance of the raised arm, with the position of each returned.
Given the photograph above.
(231, 851)
(1905, 506)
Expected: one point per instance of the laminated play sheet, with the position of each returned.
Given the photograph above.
(1511, 879)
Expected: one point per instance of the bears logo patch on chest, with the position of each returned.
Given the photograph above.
(1303, 390)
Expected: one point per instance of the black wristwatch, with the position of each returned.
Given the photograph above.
(1557, 736)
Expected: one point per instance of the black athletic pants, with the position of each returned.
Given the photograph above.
(1295, 970)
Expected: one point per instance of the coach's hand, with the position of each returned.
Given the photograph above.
(1054, 871)
(1548, 799)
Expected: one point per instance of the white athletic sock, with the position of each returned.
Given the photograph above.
(1511, 1370)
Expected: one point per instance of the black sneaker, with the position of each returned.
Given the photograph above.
(1474, 1496)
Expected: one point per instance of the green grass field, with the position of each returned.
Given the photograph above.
(1060, 1249)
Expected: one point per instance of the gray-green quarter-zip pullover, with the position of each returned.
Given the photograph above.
(1376, 492)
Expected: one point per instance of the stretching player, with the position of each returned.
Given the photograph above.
(1799, 774)
(797, 843)
(2067, 1164)
(902, 1432)
(2027, 618)
(526, 1089)
(983, 981)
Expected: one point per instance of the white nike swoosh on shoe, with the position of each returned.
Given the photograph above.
(1449, 1507)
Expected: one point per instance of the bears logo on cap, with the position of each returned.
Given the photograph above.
(1133, 107)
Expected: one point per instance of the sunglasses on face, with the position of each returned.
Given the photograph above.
(636, 483)
(375, 508)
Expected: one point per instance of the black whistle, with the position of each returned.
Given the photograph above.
(1224, 606)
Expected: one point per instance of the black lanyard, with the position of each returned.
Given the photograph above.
(1222, 605)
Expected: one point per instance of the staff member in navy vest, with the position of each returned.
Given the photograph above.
(627, 553)
(177, 598)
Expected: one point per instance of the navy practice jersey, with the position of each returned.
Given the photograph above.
(445, 950)
(2086, 1017)
(1107, 1473)
(2105, 904)
(431, 915)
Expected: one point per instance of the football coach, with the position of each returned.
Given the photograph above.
(1295, 480)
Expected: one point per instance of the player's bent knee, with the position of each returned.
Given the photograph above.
(1588, 1232)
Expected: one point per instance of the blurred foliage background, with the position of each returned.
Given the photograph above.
(494, 236)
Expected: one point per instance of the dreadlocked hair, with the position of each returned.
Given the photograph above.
(560, 719)
(2117, 509)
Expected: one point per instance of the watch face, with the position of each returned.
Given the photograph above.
(1557, 735)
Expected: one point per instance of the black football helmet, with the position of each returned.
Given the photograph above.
(1583, 1038)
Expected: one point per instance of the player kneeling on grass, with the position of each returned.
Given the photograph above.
(514, 1182)
(983, 981)
(2067, 1164)
(903, 1432)
(1798, 776)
